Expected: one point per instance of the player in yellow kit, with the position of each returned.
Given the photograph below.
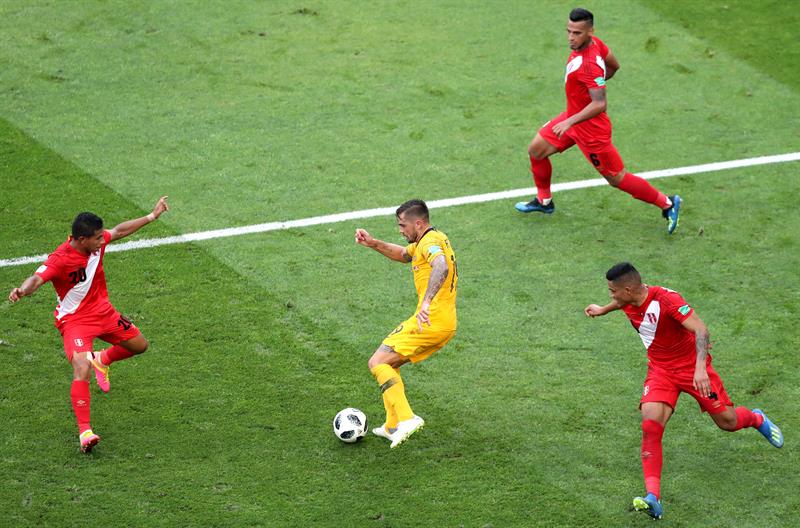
(433, 323)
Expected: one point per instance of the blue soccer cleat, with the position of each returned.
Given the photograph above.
(770, 431)
(672, 213)
(535, 205)
(650, 505)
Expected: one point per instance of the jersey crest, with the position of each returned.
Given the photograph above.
(649, 324)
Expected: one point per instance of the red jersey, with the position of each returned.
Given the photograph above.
(659, 320)
(586, 69)
(80, 282)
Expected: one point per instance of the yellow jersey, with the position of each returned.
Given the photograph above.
(443, 306)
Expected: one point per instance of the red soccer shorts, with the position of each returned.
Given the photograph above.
(603, 155)
(665, 386)
(112, 328)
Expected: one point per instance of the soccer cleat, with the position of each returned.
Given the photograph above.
(88, 440)
(100, 372)
(770, 431)
(650, 505)
(672, 213)
(535, 205)
(383, 433)
(405, 429)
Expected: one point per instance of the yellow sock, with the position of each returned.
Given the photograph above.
(393, 391)
(391, 416)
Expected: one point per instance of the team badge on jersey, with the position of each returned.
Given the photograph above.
(684, 309)
(79, 342)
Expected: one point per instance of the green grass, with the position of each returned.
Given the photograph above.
(250, 112)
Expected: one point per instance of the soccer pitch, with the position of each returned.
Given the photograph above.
(245, 113)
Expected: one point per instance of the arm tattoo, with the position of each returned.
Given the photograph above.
(598, 96)
(701, 343)
(437, 278)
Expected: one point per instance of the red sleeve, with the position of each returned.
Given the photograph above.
(107, 236)
(50, 269)
(676, 307)
(602, 47)
(592, 76)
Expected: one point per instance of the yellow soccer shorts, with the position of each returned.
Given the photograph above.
(409, 342)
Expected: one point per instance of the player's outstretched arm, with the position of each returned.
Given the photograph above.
(387, 249)
(131, 226)
(702, 344)
(595, 310)
(439, 272)
(25, 289)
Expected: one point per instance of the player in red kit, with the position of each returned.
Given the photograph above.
(585, 123)
(677, 361)
(84, 312)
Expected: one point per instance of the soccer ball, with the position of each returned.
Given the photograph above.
(350, 425)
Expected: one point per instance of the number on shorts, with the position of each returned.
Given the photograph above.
(124, 322)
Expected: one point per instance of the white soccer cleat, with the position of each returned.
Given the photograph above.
(405, 429)
(383, 433)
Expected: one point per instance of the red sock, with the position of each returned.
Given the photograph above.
(81, 403)
(115, 353)
(652, 431)
(747, 418)
(641, 189)
(542, 170)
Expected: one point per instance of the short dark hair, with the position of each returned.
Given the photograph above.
(86, 225)
(623, 272)
(415, 208)
(580, 14)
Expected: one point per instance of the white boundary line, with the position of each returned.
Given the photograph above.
(433, 204)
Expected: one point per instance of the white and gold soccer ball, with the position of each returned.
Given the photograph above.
(350, 425)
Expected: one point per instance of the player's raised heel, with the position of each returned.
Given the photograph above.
(101, 372)
(535, 205)
(673, 213)
(770, 431)
(383, 433)
(405, 429)
(88, 440)
(650, 505)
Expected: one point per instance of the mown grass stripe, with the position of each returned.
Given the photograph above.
(433, 204)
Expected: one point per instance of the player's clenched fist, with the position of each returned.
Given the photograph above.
(593, 310)
(363, 238)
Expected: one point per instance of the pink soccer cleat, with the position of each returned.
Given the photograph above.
(88, 440)
(100, 372)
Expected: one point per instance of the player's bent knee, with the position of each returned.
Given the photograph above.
(540, 149)
(726, 423)
(137, 345)
(374, 361)
(614, 179)
(81, 370)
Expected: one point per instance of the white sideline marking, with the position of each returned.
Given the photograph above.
(433, 204)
